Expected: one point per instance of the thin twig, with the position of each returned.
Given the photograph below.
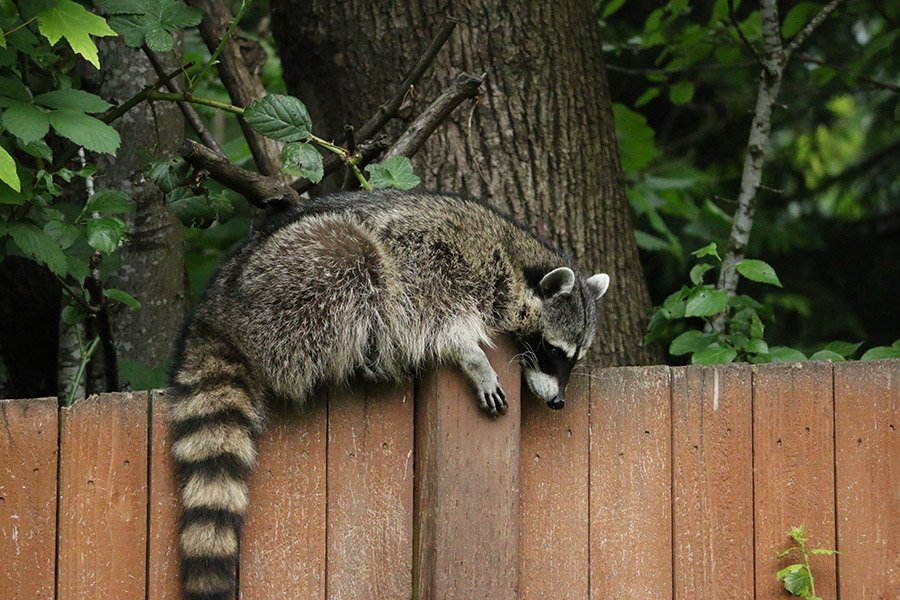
(810, 27)
(190, 115)
(875, 83)
(245, 4)
(185, 97)
(466, 86)
(740, 32)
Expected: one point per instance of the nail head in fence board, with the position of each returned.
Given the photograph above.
(553, 502)
(162, 582)
(103, 498)
(467, 472)
(793, 432)
(867, 416)
(712, 490)
(283, 547)
(28, 497)
(370, 487)
(631, 511)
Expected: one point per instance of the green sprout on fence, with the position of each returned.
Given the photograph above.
(798, 577)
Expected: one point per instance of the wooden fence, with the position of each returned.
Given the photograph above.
(653, 482)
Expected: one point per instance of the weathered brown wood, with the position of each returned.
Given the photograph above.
(712, 482)
(28, 497)
(467, 474)
(162, 547)
(554, 533)
(103, 498)
(631, 518)
(793, 433)
(370, 493)
(283, 547)
(867, 416)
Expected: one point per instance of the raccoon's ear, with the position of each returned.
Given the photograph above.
(598, 284)
(558, 281)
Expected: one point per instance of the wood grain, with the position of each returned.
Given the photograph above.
(793, 443)
(28, 453)
(712, 487)
(631, 518)
(162, 547)
(283, 547)
(103, 498)
(467, 487)
(370, 493)
(554, 532)
(867, 416)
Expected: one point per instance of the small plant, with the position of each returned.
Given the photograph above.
(798, 577)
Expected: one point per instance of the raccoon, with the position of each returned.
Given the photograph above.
(374, 285)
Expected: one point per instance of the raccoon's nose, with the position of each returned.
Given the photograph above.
(556, 402)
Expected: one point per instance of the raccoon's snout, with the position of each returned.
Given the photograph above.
(546, 387)
(556, 402)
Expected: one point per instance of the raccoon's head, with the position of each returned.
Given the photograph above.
(565, 330)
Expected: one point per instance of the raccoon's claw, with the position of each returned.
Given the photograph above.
(493, 402)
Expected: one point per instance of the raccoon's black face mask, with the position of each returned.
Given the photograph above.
(569, 305)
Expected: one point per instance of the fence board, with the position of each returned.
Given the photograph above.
(370, 493)
(28, 453)
(103, 498)
(554, 534)
(631, 519)
(867, 415)
(794, 468)
(712, 485)
(162, 556)
(467, 473)
(283, 548)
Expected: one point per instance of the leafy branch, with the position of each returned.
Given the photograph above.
(798, 577)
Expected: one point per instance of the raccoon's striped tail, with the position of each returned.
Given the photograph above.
(214, 423)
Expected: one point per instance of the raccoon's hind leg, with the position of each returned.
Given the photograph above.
(473, 362)
(214, 422)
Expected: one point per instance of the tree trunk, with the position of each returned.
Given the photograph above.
(152, 259)
(539, 145)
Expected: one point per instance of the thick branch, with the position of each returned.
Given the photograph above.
(810, 27)
(466, 86)
(190, 115)
(243, 85)
(260, 190)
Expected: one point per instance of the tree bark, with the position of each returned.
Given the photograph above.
(152, 259)
(539, 145)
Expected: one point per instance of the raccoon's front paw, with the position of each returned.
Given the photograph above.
(492, 400)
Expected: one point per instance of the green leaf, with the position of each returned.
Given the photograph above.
(123, 297)
(8, 174)
(152, 22)
(650, 242)
(756, 346)
(199, 211)
(637, 144)
(2, 39)
(788, 569)
(38, 245)
(12, 87)
(395, 172)
(38, 149)
(64, 234)
(691, 341)
(757, 270)
(797, 17)
(302, 160)
(168, 173)
(108, 201)
(85, 130)
(785, 354)
(705, 302)
(77, 268)
(646, 97)
(78, 100)
(798, 581)
(827, 355)
(845, 349)
(682, 92)
(697, 272)
(138, 376)
(714, 355)
(708, 250)
(279, 117)
(26, 121)
(880, 352)
(825, 551)
(70, 20)
(106, 233)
